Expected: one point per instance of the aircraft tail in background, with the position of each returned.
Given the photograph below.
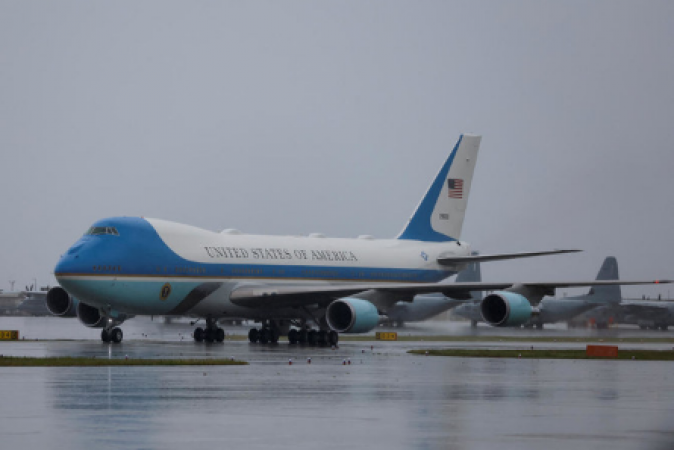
(606, 294)
(471, 274)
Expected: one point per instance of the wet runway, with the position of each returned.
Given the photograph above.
(385, 399)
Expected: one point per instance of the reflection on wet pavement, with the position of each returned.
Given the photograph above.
(384, 399)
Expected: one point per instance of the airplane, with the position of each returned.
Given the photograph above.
(128, 266)
(423, 307)
(553, 310)
(647, 314)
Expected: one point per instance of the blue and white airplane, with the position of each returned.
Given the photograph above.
(128, 266)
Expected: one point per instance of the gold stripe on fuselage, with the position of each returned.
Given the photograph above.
(239, 277)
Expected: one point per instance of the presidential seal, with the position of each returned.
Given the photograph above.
(165, 291)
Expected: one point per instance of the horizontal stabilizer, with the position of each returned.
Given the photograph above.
(451, 260)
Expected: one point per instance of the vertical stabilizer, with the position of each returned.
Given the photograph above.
(439, 216)
(607, 294)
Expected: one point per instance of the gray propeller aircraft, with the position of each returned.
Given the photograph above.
(553, 310)
(425, 307)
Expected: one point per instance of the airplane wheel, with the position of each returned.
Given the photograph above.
(199, 334)
(333, 338)
(322, 338)
(264, 336)
(105, 336)
(293, 336)
(253, 335)
(116, 335)
(302, 336)
(209, 335)
(219, 335)
(312, 337)
(473, 323)
(273, 336)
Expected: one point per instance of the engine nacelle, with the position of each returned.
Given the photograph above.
(60, 303)
(90, 316)
(505, 309)
(352, 315)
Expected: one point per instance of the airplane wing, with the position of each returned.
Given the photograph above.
(450, 260)
(260, 296)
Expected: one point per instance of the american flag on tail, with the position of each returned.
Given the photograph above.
(455, 188)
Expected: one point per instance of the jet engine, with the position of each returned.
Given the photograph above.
(506, 309)
(352, 315)
(60, 303)
(90, 316)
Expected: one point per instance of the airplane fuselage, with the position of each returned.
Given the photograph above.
(148, 266)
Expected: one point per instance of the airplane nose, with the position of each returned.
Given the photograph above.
(61, 266)
(71, 261)
(67, 264)
(75, 248)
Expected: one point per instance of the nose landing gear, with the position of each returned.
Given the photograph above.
(113, 335)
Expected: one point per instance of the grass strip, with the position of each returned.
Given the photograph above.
(641, 355)
(67, 361)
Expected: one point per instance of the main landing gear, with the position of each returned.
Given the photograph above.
(270, 334)
(263, 335)
(303, 334)
(313, 337)
(113, 335)
(212, 333)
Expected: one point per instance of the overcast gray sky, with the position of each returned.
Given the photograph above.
(297, 117)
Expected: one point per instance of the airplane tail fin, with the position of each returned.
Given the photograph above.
(439, 215)
(607, 294)
(471, 274)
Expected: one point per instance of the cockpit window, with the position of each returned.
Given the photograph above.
(97, 231)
